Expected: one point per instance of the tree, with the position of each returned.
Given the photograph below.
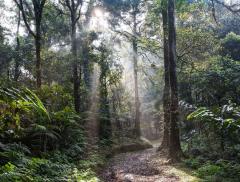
(174, 140)
(166, 92)
(74, 9)
(118, 9)
(17, 71)
(135, 12)
(5, 52)
(105, 128)
(87, 66)
(34, 11)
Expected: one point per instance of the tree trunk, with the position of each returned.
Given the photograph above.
(135, 67)
(76, 81)
(86, 67)
(166, 92)
(38, 58)
(105, 130)
(174, 140)
(86, 76)
(38, 9)
(17, 59)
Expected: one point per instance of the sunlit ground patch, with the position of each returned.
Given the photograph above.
(184, 174)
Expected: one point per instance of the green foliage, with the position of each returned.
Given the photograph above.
(70, 127)
(208, 170)
(226, 117)
(220, 170)
(13, 152)
(192, 163)
(216, 131)
(55, 97)
(23, 114)
(66, 117)
(95, 160)
(26, 99)
(214, 83)
(231, 46)
(24, 117)
(36, 169)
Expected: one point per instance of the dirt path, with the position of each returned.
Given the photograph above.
(144, 166)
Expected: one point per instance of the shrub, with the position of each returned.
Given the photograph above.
(193, 163)
(55, 97)
(221, 170)
(208, 170)
(38, 170)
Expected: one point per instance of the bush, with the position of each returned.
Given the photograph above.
(208, 170)
(55, 97)
(220, 171)
(192, 163)
(38, 170)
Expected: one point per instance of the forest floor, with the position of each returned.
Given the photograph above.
(145, 166)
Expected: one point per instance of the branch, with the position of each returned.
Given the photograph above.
(60, 11)
(79, 13)
(21, 8)
(214, 12)
(229, 7)
(68, 5)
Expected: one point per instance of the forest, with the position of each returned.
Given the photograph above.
(119, 90)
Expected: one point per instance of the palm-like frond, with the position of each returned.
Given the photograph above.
(36, 130)
(29, 98)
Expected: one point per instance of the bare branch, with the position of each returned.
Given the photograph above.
(21, 8)
(79, 13)
(233, 8)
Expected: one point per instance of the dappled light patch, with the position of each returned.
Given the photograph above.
(145, 166)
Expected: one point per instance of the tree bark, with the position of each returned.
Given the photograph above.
(86, 66)
(38, 36)
(135, 67)
(105, 130)
(76, 81)
(38, 58)
(74, 8)
(166, 92)
(17, 59)
(174, 140)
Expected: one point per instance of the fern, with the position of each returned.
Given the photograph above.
(25, 97)
(227, 116)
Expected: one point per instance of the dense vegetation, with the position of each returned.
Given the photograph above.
(81, 81)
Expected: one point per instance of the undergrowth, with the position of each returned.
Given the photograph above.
(56, 167)
(214, 171)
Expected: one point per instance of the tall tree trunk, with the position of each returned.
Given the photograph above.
(38, 10)
(174, 140)
(105, 130)
(85, 51)
(135, 67)
(86, 75)
(86, 67)
(17, 59)
(76, 81)
(166, 92)
(38, 56)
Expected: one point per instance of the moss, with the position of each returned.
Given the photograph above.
(131, 145)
